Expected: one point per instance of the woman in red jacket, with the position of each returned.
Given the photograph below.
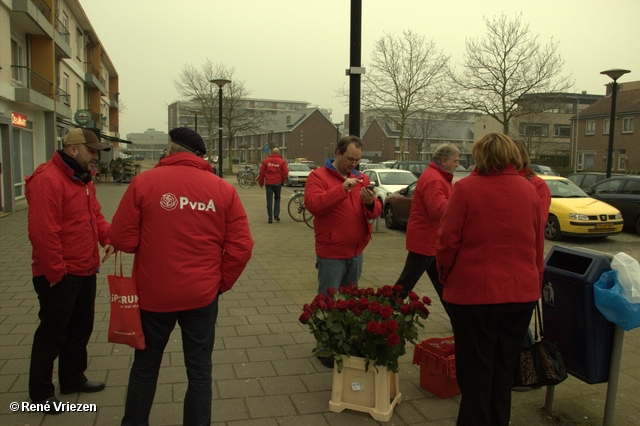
(490, 260)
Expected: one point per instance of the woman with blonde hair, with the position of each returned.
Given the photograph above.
(490, 262)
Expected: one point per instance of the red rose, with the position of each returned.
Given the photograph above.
(398, 288)
(321, 305)
(370, 292)
(392, 326)
(426, 300)
(382, 328)
(331, 305)
(363, 303)
(393, 339)
(331, 291)
(413, 296)
(374, 307)
(405, 310)
(352, 303)
(415, 305)
(356, 311)
(304, 318)
(372, 327)
(386, 311)
(342, 305)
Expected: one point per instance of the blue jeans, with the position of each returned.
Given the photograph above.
(338, 272)
(273, 191)
(198, 335)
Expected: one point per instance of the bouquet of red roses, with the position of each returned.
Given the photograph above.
(365, 322)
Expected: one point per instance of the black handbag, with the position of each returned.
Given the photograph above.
(540, 364)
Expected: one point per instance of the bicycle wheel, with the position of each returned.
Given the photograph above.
(296, 207)
(240, 175)
(308, 218)
(245, 181)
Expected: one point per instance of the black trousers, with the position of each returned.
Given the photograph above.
(66, 322)
(416, 265)
(488, 340)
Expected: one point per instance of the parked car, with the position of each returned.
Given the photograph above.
(370, 166)
(415, 167)
(389, 164)
(587, 179)
(387, 181)
(310, 164)
(298, 174)
(623, 193)
(397, 206)
(573, 212)
(544, 170)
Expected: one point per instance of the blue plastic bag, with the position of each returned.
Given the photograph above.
(612, 304)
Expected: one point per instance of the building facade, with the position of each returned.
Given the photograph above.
(54, 76)
(546, 127)
(148, 145)
(422, 134)
(594, 125)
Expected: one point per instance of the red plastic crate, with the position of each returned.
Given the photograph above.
(437, 372)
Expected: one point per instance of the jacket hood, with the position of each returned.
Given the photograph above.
(329, 164)
(185, 159)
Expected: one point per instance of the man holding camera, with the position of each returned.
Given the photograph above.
(342, 206)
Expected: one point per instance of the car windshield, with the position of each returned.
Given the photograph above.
(564, 188)
(388, 178)
(299, 168)
(545, 170)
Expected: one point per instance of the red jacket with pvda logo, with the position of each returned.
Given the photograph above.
(188, 230)
(274, 170)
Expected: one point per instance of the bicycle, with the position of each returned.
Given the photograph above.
(296, 208)
(248, 177)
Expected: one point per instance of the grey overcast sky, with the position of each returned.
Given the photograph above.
(299, 49)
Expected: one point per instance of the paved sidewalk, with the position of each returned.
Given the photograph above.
(264, 374)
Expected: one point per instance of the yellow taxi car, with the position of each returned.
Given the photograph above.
(574, 213)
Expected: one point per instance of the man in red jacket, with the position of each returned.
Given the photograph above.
(65, 227)
(180, 269)
(342, 205)
(429, 201)
(273, 173)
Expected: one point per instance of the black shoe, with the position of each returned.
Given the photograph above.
(327, 361)
(270, 221)
(52, 405)
(87, 387)
(277, 218)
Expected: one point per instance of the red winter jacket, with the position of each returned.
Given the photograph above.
(542, 189)
(429, 201)
(273, 171)
(65, 222)
(341, 220)
(490, 244)
(188, 230)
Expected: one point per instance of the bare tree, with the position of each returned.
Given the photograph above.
(420, 128)
(503, 67)
(237, 117)
(403, 79)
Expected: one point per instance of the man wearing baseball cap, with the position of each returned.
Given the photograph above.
(180, 270)
(65, 228)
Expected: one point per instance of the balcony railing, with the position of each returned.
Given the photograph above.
(43, 8)
(62, 30)
(63, 96)
(93, 70)
(26, 77)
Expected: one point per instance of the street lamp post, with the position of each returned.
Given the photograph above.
(220, 82)
(614, 74)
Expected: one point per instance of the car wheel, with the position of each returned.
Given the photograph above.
(552, 229)
(390, 217)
